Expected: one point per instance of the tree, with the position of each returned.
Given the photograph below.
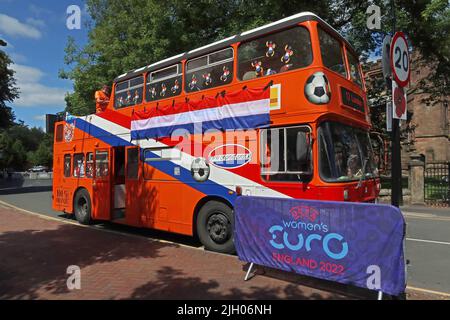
(8, 91)
(126, 34)
(30, 137)
(44, 153)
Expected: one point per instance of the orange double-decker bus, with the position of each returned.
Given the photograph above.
(277, 111)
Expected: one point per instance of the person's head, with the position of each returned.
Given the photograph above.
(105, 88)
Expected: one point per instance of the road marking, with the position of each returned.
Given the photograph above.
(424, 216)
(429, 241)
(445, 294)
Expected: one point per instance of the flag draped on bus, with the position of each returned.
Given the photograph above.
(243, 109)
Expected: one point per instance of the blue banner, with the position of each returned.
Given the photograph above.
(359, 244)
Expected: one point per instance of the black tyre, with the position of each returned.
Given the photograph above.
(82, 207)
(215, 227)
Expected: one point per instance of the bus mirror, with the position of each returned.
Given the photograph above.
(303, 147)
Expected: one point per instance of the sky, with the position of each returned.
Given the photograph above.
(36, 34)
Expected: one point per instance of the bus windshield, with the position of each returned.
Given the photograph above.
(345, 153)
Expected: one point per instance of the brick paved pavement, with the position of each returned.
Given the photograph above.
(35, 252)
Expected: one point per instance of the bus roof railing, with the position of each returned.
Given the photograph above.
(246, 35)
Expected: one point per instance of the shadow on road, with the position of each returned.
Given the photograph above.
(20, 190)
(36, 260)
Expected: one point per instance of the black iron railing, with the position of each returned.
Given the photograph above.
(437, 184)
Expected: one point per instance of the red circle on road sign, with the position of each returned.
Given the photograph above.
(399, 101)
(399, 48)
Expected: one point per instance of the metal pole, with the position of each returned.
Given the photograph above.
(396, 166)
(248, 271)
(380, 295)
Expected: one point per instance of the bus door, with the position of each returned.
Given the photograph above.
(133, 187)
(101, 195)
(118, 180)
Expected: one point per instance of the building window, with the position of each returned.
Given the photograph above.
(332, 53)
(213, 70)
(429, 154)
(67, 165)
(164, 83)
(275, 53)
(129, 92)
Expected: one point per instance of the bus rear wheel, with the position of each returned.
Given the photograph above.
(82, 207)
(215, 227)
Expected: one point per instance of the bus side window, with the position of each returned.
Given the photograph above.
(353, 66)
(67, 165)
(275, 53)
(129, 92)
(332, 53)
(280, 156)
(159, 154)
(78, 165)
(89, 165)
(59, 133)
(101, 164)
(212, 70)
(164, 83)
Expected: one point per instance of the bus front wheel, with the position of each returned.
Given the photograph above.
(82, 207)
(215, 227)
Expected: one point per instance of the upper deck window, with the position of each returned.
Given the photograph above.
(353, 65)
(209, 71)
(275, 53)
(332, 53)
(129, 92)
(164, 83)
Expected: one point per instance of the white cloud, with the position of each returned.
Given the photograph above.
(38, 23)
(40, 118)
(14, 28)
(32, 92)
(17, 57)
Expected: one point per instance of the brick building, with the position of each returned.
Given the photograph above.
(427, 130)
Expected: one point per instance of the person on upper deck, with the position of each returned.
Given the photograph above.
(101, 99)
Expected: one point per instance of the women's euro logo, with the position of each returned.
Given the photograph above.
(305, 219)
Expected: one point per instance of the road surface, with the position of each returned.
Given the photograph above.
(427, 238)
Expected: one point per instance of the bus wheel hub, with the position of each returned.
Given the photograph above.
(218, 227)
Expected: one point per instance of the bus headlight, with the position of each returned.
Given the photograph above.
(317, 88)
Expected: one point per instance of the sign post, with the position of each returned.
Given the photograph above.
(400, 67)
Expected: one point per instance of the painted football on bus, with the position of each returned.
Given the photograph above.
(317, 88)
(200, 169)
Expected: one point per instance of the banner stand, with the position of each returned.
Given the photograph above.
(248, 272)
(246, 278)
(277, 233)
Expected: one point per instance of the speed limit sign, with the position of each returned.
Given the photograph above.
(400, 59)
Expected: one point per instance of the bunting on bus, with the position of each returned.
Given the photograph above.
(243, 109)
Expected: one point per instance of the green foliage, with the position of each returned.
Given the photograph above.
(22, 147)
(44, 153)
(8, 91)
(126, 34)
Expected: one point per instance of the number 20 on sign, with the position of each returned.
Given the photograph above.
(400, 59)
(401, 72)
